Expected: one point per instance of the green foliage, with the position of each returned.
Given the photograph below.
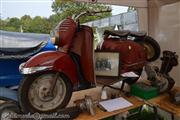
(9, 28)
(12, 24)
(39, 25)
(15, 22)
(67, 8)
(54, 20)
(26, 23)
(3, 24)
(62, 10)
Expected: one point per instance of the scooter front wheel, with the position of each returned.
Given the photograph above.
(152, 47)
(34, 93)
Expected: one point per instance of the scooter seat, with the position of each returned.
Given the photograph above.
(137, 34)
(14, 43)
(117, 33)
(124, 33)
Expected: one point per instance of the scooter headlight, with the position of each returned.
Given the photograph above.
(32, 70)
(21, 66)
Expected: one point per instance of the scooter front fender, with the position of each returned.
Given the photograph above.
(58, 61)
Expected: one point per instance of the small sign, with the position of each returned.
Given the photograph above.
(115, 104)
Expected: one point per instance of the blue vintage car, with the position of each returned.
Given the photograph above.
(16, 48)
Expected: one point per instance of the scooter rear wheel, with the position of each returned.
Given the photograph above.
(152, 47)
(34, 93)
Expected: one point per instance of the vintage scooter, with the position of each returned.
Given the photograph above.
(51, 77)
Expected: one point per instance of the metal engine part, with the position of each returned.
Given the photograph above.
(169, 60)
(160, 78)
(86, 104)
(175, 97)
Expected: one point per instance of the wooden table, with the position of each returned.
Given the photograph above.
(163, 102)
(100, 114)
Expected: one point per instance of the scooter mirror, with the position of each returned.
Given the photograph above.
(55, 40)
(54, 37)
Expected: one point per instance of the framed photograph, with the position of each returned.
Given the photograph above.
(107, 64)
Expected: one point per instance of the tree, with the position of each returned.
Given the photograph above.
(2, 24)
(14, 22)
(53, 20)
(25, 22)
(11, 24)
(39, 25)
(67, 8)
(62, 9)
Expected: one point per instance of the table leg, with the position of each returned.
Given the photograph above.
(140, 110)
(156, 114)
(172, 116)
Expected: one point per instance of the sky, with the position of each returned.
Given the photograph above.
(18, 8)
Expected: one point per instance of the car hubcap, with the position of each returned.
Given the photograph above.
(40, 95)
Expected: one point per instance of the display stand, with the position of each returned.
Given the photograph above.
(101, 114)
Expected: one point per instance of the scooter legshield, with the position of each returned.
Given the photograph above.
(59, 61)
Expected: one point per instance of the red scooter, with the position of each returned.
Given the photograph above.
(51, 77)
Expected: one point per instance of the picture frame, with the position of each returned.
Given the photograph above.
(107, 63)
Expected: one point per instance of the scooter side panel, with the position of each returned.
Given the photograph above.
(83, 46)
(87, 57)
(132, 55)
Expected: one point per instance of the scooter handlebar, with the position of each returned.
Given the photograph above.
(90, 13)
